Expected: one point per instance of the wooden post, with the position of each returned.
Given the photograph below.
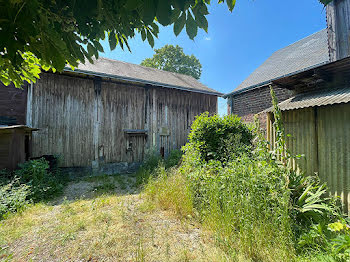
(338, 29)
(268, 131)
(29, 115)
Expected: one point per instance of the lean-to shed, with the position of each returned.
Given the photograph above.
(107, 115)
(317, 124)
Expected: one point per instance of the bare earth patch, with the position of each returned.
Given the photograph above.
(103, 219)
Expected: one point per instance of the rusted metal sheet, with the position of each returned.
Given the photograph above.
(84, 120)
(328, 96)
(322, 136)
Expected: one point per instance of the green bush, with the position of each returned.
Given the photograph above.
(44, 184)
(219, 138)
(13, 197)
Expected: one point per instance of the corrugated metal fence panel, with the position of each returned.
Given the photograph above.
(123, 107)
(334, 149)
(322, 134)
(61, 109)
(301, 137)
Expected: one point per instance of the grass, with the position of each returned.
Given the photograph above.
(112, 226)
(170, 191)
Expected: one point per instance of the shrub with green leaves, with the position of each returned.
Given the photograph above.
(43, 183)
(219, 138)
(13, 197)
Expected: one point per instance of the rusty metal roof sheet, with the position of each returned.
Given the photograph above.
(115, 69)
(316, 98)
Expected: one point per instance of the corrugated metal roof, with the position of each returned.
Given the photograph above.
(105, 67)
(316, 98)
(307, 53)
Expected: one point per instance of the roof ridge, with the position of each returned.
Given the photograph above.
(324, 29)
(150, 68)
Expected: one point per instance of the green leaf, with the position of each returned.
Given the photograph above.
(112, 40)
(191, 26)
(150, 39)
(132, 4)
(143, 34)
(164, 12)
(179, 24)
(180, 4)
(202, 22)
(149, 11)
(325, 2)
(231, 4)
(175, 13)
(98, 46)
(91, 50)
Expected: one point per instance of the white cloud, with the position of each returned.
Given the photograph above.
(207, 38)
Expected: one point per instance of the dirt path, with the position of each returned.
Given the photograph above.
(103, 219)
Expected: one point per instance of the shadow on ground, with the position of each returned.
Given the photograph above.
(90, 187)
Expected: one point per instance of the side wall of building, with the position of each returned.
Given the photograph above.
(13, 103)
(252, 102)
(87, 121)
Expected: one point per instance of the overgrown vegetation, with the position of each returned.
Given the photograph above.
(259, 208)
(153, 160)
(33, 182)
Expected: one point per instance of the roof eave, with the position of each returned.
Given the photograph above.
(141, 81)
(268, 82)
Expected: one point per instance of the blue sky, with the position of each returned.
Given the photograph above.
(237, 42)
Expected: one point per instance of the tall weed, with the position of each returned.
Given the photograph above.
(170, 190)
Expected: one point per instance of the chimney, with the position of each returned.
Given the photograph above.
(338, 28)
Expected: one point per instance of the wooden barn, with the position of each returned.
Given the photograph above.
(106, 116)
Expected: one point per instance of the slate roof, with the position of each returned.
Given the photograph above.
(316, 98)
(105, 67)
(307, 53)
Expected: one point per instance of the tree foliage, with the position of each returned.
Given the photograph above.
(44, 34)
(173, 59)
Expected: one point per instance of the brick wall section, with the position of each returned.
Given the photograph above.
(13, 103)
(250, 103)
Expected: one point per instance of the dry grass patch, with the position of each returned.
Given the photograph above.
(112, 227)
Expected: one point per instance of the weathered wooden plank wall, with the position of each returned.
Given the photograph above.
(322, 134)
(122, 108)
(62, 108)
(83, 120)
(338, 27)
(172, 114)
